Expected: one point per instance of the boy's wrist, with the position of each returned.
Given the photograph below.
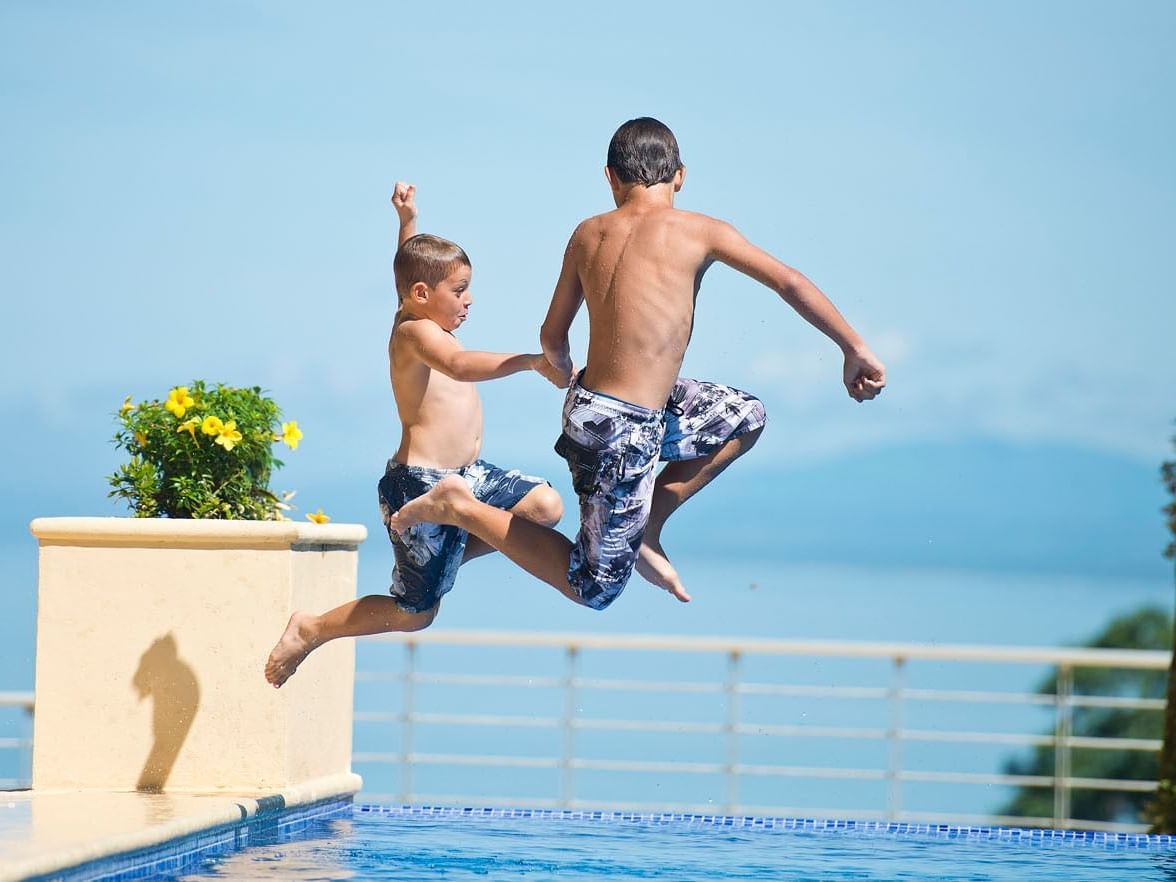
(854, 345)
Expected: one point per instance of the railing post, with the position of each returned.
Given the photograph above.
(567, 764)
(1063, 729)
(894, 738)
(406, 736)
(732, 729)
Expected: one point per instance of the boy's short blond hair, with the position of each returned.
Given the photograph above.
(425, 258)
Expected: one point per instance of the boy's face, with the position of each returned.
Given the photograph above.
(448, 303)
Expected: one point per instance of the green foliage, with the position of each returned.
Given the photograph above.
(1147, 628)
(202, 453)
(1161, 811)
(1168, 473)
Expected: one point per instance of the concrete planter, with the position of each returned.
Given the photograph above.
(151, 640)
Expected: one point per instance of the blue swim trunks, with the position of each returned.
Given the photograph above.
(428, 555)
(612, 447)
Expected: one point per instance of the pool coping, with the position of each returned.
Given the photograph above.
(225, 826)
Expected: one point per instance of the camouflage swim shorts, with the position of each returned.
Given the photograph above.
(428, 555)
(612, 446)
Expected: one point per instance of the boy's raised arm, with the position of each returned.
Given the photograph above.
(565, 303)
(441, 351)
(404, 201)
(864, 375)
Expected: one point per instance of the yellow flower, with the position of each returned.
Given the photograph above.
(141, 439)
(291, 434)
(318, 517)
(211, 425)
(189, 425)
(127, 407)
(178, 401)
(229, 436)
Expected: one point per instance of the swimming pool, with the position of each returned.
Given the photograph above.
(420, 843)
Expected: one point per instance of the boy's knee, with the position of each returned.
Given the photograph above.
(544, 506)
(420, 621)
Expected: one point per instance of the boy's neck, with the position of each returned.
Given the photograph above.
(404, 311)
(640, 196)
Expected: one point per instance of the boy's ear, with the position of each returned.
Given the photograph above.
(679, 178)
(614, 182)
(419, 293)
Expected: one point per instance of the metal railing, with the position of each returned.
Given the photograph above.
(730, 730)
(22, 744)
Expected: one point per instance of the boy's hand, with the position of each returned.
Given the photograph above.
(404, 201)
(865, 375)
(559, 377)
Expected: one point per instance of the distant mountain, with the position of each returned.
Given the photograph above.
(980, 505)
(969, 505)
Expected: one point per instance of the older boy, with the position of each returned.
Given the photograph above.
(639, 268)
(441, 418)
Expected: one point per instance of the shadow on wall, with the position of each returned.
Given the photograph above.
(171, 683)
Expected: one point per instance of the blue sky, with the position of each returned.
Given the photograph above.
(986, 190)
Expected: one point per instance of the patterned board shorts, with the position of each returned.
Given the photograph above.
(428, 555)
(612, 446)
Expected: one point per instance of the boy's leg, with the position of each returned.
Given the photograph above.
(541, 505)
(699, 417)
(676, 483)
(541, 551)
(305, 632)
(422, 575)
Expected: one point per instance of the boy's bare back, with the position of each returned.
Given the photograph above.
(639, 268)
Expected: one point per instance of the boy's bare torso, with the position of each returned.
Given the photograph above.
(441, 418)
(640, 268)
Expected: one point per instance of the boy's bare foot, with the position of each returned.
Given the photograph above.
(435, 507)
(655, 568)
(291, 649)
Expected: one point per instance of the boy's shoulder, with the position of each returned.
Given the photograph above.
(599, 224)
(413, 331)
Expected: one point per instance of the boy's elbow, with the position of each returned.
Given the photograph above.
(552, 341)
(787, 282)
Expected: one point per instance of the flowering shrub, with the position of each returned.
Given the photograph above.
(202, 453)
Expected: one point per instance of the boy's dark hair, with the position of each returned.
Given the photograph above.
(644, 151)
(425, 258)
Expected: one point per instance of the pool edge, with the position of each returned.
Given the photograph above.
(227, 825)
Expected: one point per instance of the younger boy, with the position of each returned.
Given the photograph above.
(639, 269)
(441, 418)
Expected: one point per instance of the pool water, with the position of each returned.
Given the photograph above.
(375, 844)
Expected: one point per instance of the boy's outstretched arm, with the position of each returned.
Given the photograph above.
(440, 351)
(864, 374)
(404, 201)
(565, 303)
